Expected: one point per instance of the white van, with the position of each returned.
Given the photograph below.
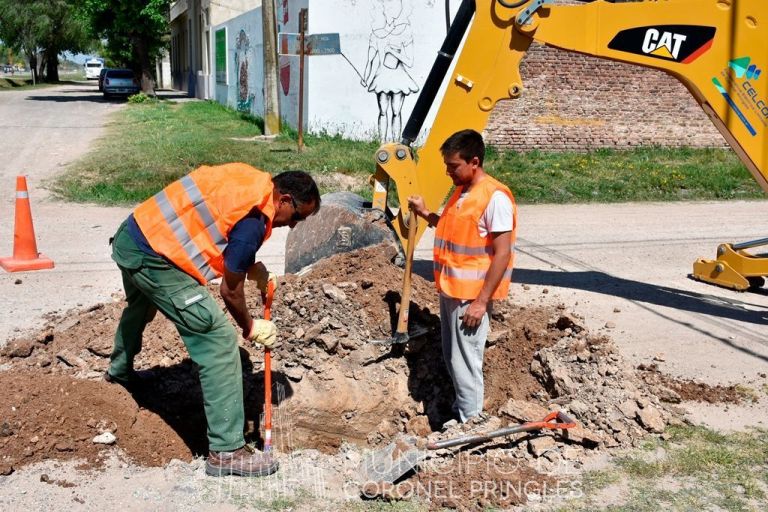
(93, 68)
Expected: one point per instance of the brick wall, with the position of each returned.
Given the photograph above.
(573, 101)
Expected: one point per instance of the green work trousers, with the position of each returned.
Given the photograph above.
(152, 284)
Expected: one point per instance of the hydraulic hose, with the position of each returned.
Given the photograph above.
(438, 71)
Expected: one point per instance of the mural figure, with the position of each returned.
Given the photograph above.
(242, 47)
(390, 53)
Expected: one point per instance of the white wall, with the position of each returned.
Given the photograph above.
(339, 103)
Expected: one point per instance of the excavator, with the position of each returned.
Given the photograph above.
(715, 48)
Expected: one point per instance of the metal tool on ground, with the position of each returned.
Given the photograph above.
(556, 420)
(267, 300)
(399, 457)
(402, 335)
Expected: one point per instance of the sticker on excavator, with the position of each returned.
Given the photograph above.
(681, 43)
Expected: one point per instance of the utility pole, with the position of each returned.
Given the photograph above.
(302, 35)
(271, 75)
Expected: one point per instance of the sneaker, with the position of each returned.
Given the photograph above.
(449, 424)
(242, 462)
(481, 419)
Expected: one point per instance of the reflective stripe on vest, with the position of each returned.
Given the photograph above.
(180, 232)
(462, 257)
(188, 221)
(462, 249)
(466, 274)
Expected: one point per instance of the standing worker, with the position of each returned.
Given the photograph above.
(207, 224)
(473, 258)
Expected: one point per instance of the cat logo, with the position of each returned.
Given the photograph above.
(678, 43)
(663, 44)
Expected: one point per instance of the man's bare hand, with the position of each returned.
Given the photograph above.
(474, 314)
(417, 204)
(259, 273)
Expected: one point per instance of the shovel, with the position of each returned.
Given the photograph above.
(267, 300)
(398, 458)
(402, 335)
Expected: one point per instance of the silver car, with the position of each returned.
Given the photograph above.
(120, 81)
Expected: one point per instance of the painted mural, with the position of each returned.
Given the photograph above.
(242, 90)
(388, 47)
(390, 56)
(242, 57)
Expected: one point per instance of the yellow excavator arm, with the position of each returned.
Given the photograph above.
(716, 48)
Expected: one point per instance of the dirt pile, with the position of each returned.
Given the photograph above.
(583, 376)
(673, 390)
(55, 416)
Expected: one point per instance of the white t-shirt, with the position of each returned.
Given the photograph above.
(497, 217)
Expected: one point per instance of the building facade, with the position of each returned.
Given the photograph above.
(367, 89)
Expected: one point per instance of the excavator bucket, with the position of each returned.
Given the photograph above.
(345, 222)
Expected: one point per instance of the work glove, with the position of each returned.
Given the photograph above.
(259, 273)
(263, 332)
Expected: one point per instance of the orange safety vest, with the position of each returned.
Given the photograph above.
(188, 222)
(461, 256)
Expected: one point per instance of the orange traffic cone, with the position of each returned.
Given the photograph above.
(25, 255)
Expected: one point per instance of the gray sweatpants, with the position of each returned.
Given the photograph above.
(463, 350)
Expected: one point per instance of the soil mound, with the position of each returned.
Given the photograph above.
(56, 416)
(674, 390)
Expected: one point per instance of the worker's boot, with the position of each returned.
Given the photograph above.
(244, 461)
(135, 382)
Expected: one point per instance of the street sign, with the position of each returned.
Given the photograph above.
(314, 44)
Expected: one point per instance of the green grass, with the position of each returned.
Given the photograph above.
(24, 81)
(148, 145)
(700, 469)
(17, 83)
(152, 143)
(645, 174)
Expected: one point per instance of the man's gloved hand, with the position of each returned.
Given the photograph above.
(263, 332)
(259, 273)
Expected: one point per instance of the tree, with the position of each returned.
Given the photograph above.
(135, 32)
(45, 27)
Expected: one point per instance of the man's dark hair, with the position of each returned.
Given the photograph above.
(467, 143)
(299, 185)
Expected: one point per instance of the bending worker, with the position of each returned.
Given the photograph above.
(207, 224)
(473, 258)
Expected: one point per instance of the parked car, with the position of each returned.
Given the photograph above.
(8, 69)
(101, 78)
(120, 81)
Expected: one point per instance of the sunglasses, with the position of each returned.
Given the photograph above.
(296, 217)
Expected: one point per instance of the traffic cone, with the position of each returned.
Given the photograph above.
(25, 255)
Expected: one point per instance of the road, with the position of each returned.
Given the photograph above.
(621, 265)
(44, 130)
